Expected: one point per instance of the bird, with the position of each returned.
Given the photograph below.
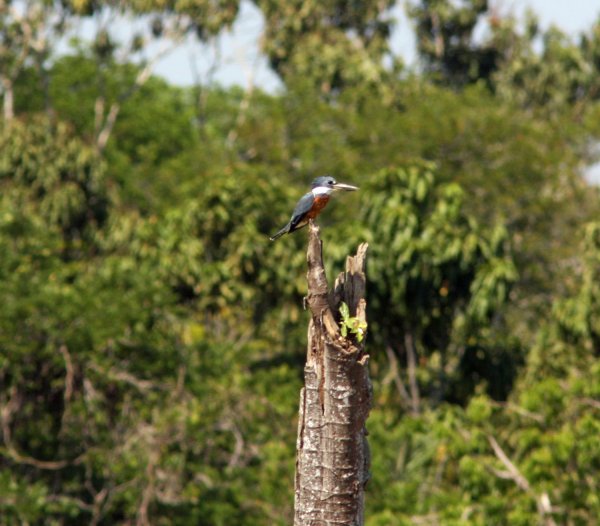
(310, 204)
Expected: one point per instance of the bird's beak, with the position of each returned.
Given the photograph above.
(347, 187)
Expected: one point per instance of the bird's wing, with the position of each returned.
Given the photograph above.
(302, 207)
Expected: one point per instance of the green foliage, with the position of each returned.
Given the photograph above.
(563, 75)
(445, 39)
(579, 317)
(206, 18)
(43, 166)
(100, 352)
(327, 45)
(437, 277)
(351, 324)
(152, 337)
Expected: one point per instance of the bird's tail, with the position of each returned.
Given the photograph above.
(284, 230)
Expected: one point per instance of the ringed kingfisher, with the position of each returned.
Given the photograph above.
(310, 205)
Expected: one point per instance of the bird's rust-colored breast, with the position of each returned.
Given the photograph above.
(318, 204)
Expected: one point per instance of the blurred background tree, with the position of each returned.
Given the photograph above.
(330, 45)
(152, 338)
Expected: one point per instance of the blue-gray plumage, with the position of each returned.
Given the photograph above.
(311, 204)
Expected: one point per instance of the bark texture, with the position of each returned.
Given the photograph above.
(332, 463)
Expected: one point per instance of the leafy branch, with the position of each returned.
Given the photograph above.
(352, 324)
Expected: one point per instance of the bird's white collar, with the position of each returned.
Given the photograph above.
(322, 190)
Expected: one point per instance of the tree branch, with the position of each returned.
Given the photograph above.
(6, 414)
(105, 124)
(542, 501)
(411, 359)
(394, 375)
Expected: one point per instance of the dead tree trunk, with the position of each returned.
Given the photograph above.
(332, 463)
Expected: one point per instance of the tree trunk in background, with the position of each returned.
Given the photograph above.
(8, 100)
(332, 463)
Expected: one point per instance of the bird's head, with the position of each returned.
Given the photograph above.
(327, 184)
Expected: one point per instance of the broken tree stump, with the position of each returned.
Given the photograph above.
(332, 462)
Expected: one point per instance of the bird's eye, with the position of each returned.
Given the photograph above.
(331, 182)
